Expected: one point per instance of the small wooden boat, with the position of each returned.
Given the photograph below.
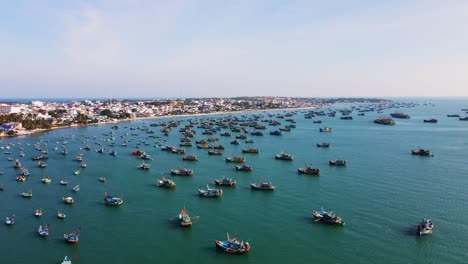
(243, 167)
(165, 183)
(190, 158)
(235, 142)
(425, 227)
(266, 186)
(115, 201)
(232, 245)
(112, 152)
(66, 260)
(76, 188)
(182, 172)
(422, 152)
(72, 237)
(144, 166)
(38, 212)
(210, 192)
(308, 170)
(83, 164)
(251, 150)
(215, 152)
(41, 164)
(102, 179)
(323, 145)
(327, 217)
(46, 180)
(10, 220)
(62, 182)
(337, 162)
(325, 129)
(225, 182)
(235, 159)
(26, 194)
(68, 200)
(61, 215)
(20, 178)
(43, 231)
(184, 218)
(284, 156)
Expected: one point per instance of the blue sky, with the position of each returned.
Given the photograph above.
(120, 48)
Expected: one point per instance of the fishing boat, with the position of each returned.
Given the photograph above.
(232, 245)
(215, 152)
(284, 156)
(2, 187)
(250, 150)
(41, 164)
(182, 172)
(20, 178)
(112, 200)
(209, 192)
(235, 159)
(24, 171)
(432, 120)
(72, 237)
(62, 182)
(327, 217)
(421, 152)
(184, 218)
(79, 157)
(102, 179)
(76, 188)
(337, 162)
(261, 185)
(308, 170)
(87, 147)
(38, 212)
(46, 180)
(10, 220)
(425, 227)
(145, 156)
(225, 182)
(39, 157)
(43, 231)
(66, 260)
(325, 129)
(100, 150)
(68, 200)
(385, 121)
(112, 152)
(17, 164)
(276, 133)
(61, 215)
(323, 145)
(243, 167)
(144, 166)
(400, 115)
(26, 194)
(77, 172)
(190, 158)
(165, 183)
(83, 164)
(235, 142)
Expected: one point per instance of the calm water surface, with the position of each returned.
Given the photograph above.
(382, 195)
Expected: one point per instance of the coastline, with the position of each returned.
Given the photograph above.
(37, 131)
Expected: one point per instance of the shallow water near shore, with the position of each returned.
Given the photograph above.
(382, 194)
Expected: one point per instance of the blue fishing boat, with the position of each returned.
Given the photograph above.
(43, 231)
(184, 218)
(233, 245)
(66, 260)
(425, 227)
(72, 237)
(327, 217)
(112, 200)
(210, 192)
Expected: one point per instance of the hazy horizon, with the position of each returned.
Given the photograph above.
(188, 49)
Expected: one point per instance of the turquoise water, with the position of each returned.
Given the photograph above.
(382, 195)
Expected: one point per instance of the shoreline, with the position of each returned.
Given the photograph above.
(37, 131)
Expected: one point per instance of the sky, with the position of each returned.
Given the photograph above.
(222, 48)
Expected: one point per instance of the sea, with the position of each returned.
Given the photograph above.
(382, 193)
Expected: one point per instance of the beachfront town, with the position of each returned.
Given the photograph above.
(22, 118)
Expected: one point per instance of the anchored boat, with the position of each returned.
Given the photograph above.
(233, 245)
